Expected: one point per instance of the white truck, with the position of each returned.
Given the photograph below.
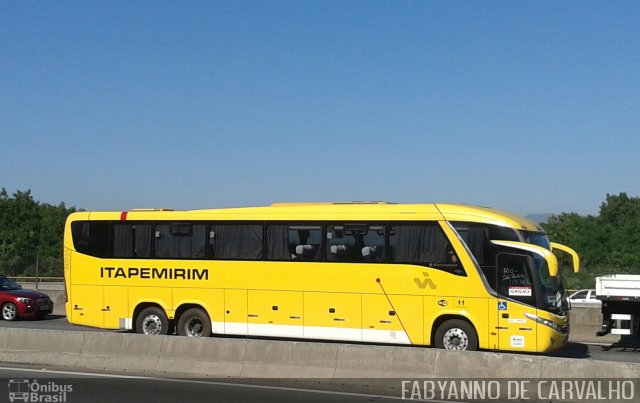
(620, 296)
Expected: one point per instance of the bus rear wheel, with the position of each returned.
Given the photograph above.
(194, 322)
(456, 334)
(152, 321)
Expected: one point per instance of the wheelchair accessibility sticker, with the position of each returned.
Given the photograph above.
(502, 305)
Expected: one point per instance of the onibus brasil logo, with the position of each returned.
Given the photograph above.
(32, 391)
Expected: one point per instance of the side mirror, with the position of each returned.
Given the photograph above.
(569, 251)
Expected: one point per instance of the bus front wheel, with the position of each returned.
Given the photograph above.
(456, 334)
(152, 321)
(194, 322)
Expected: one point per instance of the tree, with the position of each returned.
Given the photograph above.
(607, 243)
(30, 230)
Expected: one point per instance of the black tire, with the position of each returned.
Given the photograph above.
(194, 322)
(152, 321)
(9, 311)
(456, 334)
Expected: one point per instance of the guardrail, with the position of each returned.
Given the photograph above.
(47, 286)
(39, 279)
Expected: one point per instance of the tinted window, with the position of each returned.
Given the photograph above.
(235, 241)
(132, 240)
(355, 243)
(294, 242)
(478, 238)
(514, 278)
(424, 244)
(536, 238)
(580, 295)
(8, 284)
(91, 237)
(180, 240)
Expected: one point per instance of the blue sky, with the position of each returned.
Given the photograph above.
(523, 106)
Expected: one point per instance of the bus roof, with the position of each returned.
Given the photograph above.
(463, 212)
(330, 211)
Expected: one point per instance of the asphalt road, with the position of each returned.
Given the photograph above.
(123, 388)
(50, 322)
(596, 351)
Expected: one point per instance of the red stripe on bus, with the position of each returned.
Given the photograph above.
(123, 216)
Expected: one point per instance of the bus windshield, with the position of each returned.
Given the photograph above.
(550, 287)
(554, 294)
(536, 238)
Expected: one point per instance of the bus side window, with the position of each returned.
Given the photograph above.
(373, 249)
(91, 237)
(478, 238)
(132, 240)
(180, 240)
(233, 241)
(355, 242)
(423, 244)
(305, 242)
(417, 243)
(340, 245)
(294, 242)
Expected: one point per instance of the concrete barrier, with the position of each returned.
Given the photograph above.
(585, 322)
(224, 358)
(360, 361)
(58, 297)
(41, 347)
(119, 352)
(248, 358)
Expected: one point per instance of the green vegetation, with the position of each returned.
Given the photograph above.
(30, 231)
(607, 243)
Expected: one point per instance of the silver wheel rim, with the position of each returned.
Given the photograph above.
(9, 312)
(152, 324)
(455, 339)
(194, 327)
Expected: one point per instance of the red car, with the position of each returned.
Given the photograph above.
(18, 303)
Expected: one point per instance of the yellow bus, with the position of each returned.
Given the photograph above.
(452, 276)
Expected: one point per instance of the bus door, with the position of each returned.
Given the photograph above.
(516, 296)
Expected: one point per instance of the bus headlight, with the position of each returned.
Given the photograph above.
(553, 325)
